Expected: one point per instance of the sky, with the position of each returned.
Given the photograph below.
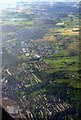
(11, 1)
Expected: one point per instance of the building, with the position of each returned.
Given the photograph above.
(12, 110)
(37, 56)
(27, 54)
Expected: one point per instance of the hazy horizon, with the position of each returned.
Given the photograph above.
(11, 1)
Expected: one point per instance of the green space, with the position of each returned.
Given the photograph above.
(64, 63)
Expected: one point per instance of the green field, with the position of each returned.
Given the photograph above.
(64, 63)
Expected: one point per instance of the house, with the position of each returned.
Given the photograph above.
(6, 81)
(37, 56)
(23, 49)
(27, 54)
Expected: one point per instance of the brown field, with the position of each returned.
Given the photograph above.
(69, 32)
(47, 38)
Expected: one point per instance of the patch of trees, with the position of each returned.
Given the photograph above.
(9, 59)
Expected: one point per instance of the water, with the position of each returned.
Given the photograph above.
(15, 19)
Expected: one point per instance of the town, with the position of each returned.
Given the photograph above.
(40, 60)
